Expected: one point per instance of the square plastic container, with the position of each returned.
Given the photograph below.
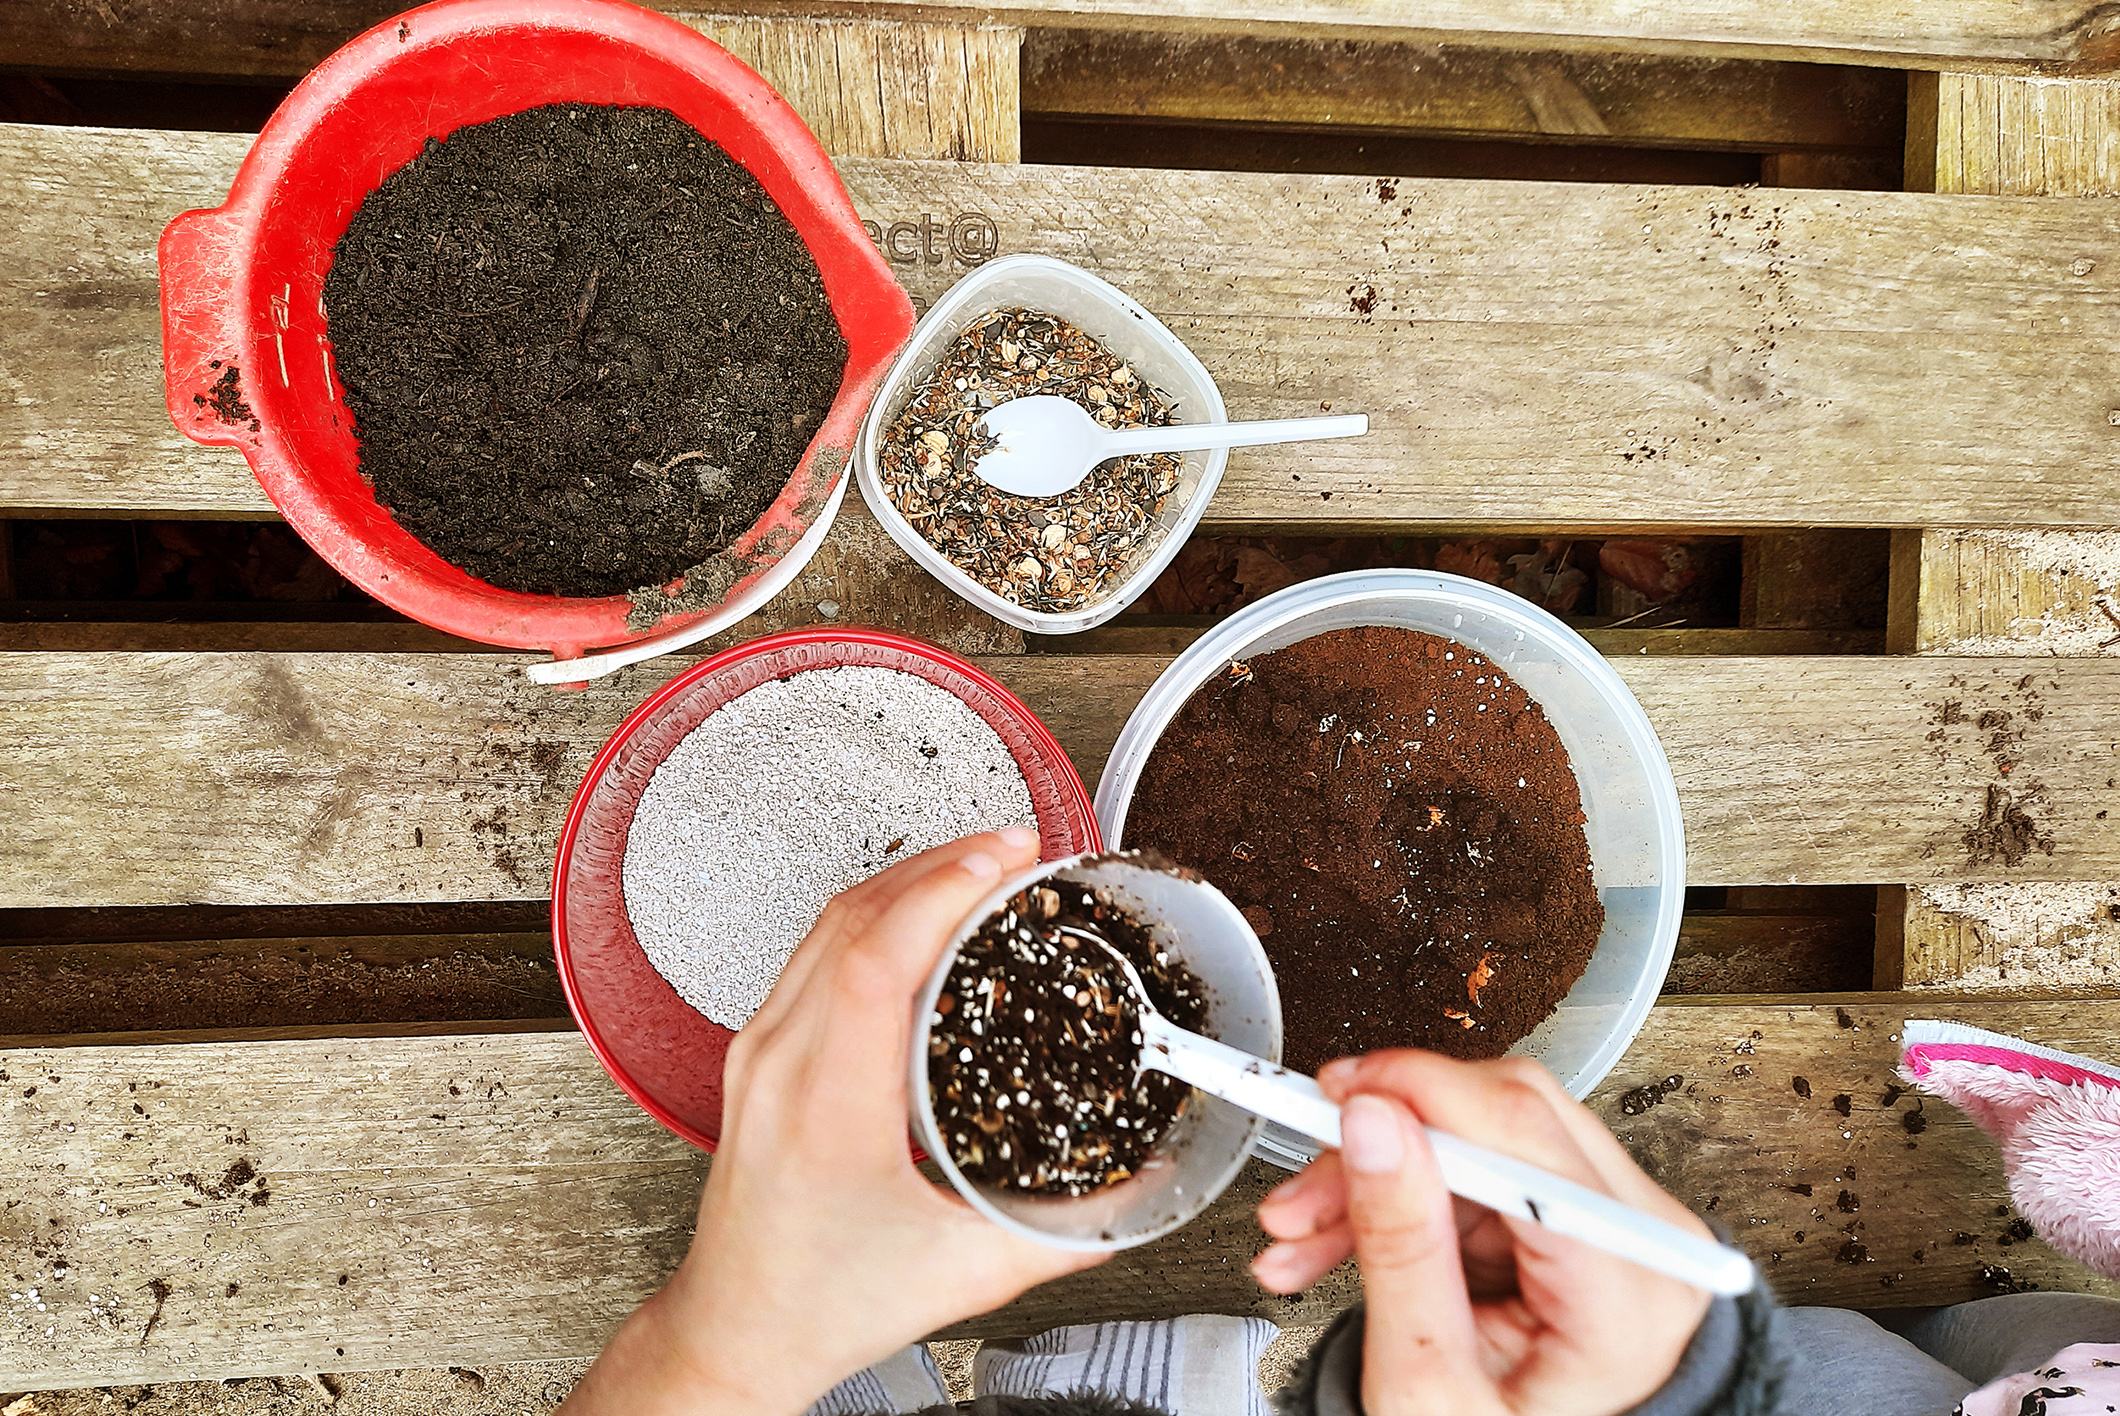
(1113, 319)
(1636, 838)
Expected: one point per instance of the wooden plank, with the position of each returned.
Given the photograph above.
(1816, 580)
(1927, 1209)
(404, 1165)
(2044, 938)
(2001, 135)
(1460, 91)
(284, 38)
(2005, 592)
(282, 779)
(889, 89)
(1810, 359)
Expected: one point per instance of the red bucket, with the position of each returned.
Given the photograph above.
(244, 349)
(663, 1053)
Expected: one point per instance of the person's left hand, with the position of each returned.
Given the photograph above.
(821, 1249)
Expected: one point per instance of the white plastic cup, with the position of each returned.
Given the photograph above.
(1636, 839)
(1111, 317)
(1195, 1160)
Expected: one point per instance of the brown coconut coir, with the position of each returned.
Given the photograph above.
(1399, 822)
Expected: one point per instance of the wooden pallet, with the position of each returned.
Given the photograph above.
(1565, 357)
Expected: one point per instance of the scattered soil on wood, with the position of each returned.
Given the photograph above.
(1404, 818)
(531, 1388)
(583, 349)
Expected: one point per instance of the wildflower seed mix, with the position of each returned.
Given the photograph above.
(1049, 554)
(787, 795)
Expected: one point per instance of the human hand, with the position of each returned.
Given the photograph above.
(1472, 1312)
(820, 1248)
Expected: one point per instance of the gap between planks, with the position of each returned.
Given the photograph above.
(168, 36)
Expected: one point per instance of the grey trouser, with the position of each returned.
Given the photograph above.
(1841, 1362)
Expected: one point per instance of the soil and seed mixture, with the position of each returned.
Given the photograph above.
(584, 351)
(1048, 554)
(1034, 1045)
(1398, 821)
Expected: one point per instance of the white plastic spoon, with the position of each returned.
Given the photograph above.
(1047, 444)
(1501, 1183)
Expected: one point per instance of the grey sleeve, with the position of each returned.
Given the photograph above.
(1732, 1367)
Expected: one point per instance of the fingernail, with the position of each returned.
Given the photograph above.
(981, 866)
(1271, 1260)
(1370, 1139)
(1286, 1190)
(1338, 1069)
(1017, 838)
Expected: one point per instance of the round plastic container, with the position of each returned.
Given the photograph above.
(242, 288)
(658, 1048)
(1637, 842)
(1194, 1161)
(1111, 317)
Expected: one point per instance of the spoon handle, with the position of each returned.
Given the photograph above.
(1185, 437)
(1261, 1087)
(1499, 1182)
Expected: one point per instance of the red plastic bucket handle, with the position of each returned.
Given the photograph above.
(201, 316)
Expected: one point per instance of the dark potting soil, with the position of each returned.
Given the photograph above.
(1398, 821)
(584, 351)
(1033, 1045)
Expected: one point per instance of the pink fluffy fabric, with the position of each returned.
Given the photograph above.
(2056, 1118)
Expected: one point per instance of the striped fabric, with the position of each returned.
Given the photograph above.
(1201, 1365)
(906, 1381)
(1193, 1366)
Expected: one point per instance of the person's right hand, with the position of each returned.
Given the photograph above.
(1471, 1312)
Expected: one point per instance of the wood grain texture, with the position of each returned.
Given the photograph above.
(1972, 592)
(2013, 136)
(118, 1159)
(1537, 355)
(888, 89)
(283, 779)
(1461, 91)
(2037, 939)
(284, 37)
(1927, 1209)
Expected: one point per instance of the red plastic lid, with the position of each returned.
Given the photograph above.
(660, 1051)
(242, 285)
